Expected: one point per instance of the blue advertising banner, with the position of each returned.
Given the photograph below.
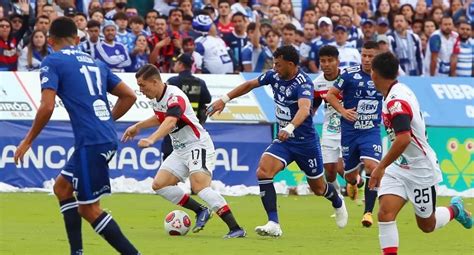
(238, 149)
(445, 102)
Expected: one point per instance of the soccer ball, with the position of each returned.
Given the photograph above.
(177, 223)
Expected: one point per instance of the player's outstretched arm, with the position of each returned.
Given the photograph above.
(126, 99)
(133, 130)
(331, 97)
(402, 140)
(240, 90)
(41, 119)
(165, 128)
(304, 110)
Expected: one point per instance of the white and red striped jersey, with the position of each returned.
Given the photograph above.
(418, 162)
(332, 119)
(174, 102)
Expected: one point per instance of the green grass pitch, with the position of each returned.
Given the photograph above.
(30, 223)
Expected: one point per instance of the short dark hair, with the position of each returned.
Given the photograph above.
(288, 53)
(188, 17)
(120, 15)
(386, 65)
(175, 10)
(371, 45)
(63, 27)
(152, 10)
(42, 17)
(187, 40)
(238, 14)
(137, 20)
(81, 14)
(272, 31)
(148, 71)
(93, 23)
(328, 51)
(223, 2)
(290, 27)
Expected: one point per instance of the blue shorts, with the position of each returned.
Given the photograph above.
(88, 171)
(307, 156)
(355, 148)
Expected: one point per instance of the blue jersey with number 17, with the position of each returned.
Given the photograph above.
(286, 94)
(82, 84)
(358, 91)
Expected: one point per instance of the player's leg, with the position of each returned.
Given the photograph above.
(63, 190)
(172, 171)
(309, 160)
(350, 155)
(201, 185)
(273, 160)
(92, 182)
(370, 154)
(429, 217)
(392, 197)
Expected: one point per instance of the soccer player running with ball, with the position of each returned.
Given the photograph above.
(82, 84)
(360, 132)
(193, 153)
(297, 139)
(331, 133)
(409, 171)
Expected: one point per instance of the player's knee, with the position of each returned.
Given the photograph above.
(385, 215)
(426, 228)
(370, 165)
(330, 176)
(263, 173)
(157, 185)
(62, 191)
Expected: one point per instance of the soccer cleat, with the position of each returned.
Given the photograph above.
(352, 191)
(237, 233)
(270, 229)
(201, 219)
(464, 217)
(341, 214)
(367, 220)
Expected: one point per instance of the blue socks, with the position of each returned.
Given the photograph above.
(105, 226)
(72, 221)
(331, 195)
(268, 196)
(370, 196)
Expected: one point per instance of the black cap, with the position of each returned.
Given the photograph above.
(186, 59)
(70, 12)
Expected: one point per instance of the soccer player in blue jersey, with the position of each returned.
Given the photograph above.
(297, 139)
(360, 131)
(82, 84)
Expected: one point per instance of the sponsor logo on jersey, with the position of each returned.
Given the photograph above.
(288, 92)
(396, 107)
(306, 93)
(357, 76)
(367, 106)
(361, 84)
(371, 93)
(44, 80)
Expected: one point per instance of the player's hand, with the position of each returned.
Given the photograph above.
(145, 143)
(376, 177)
(350, 114)
(217, 106)
(22, 148)
(130, 133)
(283, 135)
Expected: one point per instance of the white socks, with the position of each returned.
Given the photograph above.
(443, 216)
(388, 235)
(174, 194)
(212, 198)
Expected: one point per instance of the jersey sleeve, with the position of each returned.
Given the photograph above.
(457, 46)
(176, 106)
(342, 80)
(246, 56)
(306, 91)
(435, 43)
(266, 78)
(48, 75)
(401, 115)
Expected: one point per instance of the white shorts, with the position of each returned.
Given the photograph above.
(199, 157)
(423, 199)
(331, 150)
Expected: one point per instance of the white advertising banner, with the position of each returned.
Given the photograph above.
(20, 94)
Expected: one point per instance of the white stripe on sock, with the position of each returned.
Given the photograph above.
(101, 223)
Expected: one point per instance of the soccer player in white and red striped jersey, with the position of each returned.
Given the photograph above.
(331, 133)
(409, 171)
(193, 153)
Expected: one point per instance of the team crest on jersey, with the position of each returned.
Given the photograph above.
(357, 76)
(173, 100)
(288, 92)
